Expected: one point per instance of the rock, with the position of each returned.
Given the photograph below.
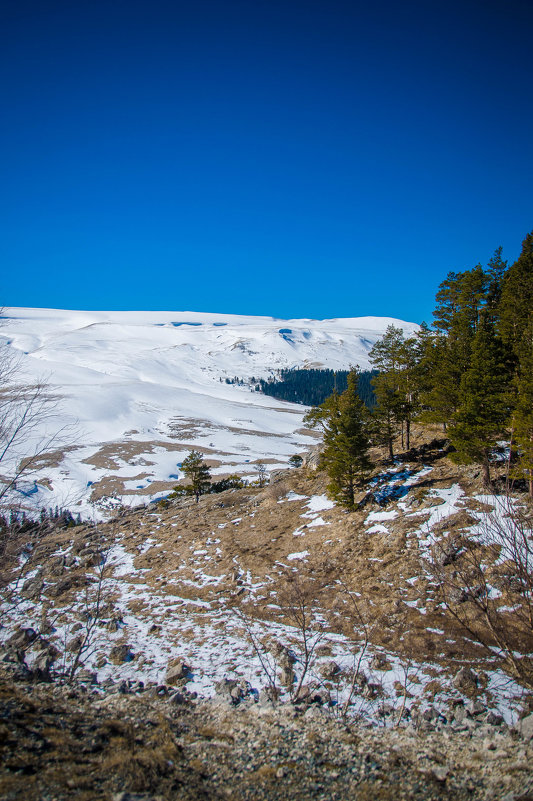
(475, 708)
(177, 699)
(440, 772)
(380, 662)
(459, 713)
(287, 677)
(525, 727)
(66, 584)
(120, 654)
(233, 691)
(269, 696)
(329, 670)
(32, 588)
(494, 719)
(22, 638)
(371, 690)
(75, 643)
(178, 672)
(466, 681)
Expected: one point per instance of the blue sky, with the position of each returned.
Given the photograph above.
(294, 159)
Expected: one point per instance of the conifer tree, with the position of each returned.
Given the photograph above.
(396, 385)
(523, 412)
(516, 303)
(343, 418)
(197, 472)
(483, 411)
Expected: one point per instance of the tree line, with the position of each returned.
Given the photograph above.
(472, 373)
(311, 387)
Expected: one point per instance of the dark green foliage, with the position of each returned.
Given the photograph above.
(230, 482)
(312, 387)
(197, 472)
(296, 460)
(396, 384)
(516, 306)
(483, 411)
(523, 411)
(343, 419)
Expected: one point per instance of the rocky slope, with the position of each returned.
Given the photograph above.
(80, 743)
(192, 626)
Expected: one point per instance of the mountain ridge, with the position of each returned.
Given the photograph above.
(157, 379)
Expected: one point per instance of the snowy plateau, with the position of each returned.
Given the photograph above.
(137, 391)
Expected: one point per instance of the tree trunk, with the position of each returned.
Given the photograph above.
(408, 434)
(509, 460)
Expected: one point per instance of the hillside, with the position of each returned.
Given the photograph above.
(195, 642)
(137, 390)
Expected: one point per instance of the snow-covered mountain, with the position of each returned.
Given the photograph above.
(143, 388)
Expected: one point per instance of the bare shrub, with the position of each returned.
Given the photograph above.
(486, 584)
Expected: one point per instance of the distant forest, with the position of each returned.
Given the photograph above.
(312, 387)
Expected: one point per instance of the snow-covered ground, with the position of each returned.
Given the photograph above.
(155, 383)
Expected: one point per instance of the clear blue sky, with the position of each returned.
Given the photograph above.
(295, 159)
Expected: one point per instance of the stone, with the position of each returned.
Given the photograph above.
(22, 638)
(75, 643)
(32, 588)
(466, 681)
(233, 691)
(440, 772)
(494, 719)
(287, 677)
(120, 654)
(177, 699)
(475, 708)
(459, 713)
(329, 670)
(525, 727)
(177, 672)
(380, 662)
(269, 696)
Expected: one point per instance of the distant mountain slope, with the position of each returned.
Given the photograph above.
(146, 387)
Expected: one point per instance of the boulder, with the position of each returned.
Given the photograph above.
(22, 638)
(466, 681)
(120, 654)
(233, 691)
(329, 670)
(32, 588)
(178, 672)
(526, 727)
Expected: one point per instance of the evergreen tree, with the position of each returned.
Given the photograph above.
(516, 305)
(523, 412)
(483, 411)
(345, 455)
(396, 385)
(197, 472)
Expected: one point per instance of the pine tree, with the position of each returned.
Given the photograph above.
(395, 385)
(345, 455)
(523, 412)
(516, 303)
(197, 472)
(483, 411)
